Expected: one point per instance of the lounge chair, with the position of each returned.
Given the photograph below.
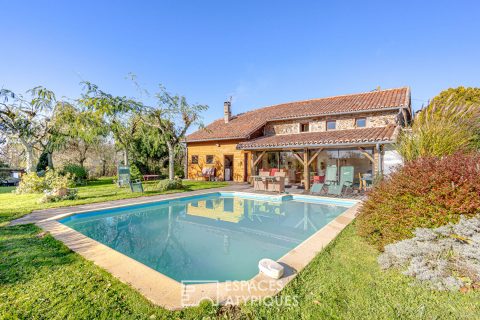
(316, 188)
(346, 181)
(136, 186)
(123, 176)
(330, 179)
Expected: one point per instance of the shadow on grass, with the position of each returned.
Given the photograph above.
(23, 251)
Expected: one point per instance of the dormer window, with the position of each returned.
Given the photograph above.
(360, 122)
(304, 127)
(331, 125)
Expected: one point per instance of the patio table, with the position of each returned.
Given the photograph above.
(266, 180)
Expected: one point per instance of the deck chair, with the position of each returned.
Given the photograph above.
(123, 176)
(136, 186)
(346, 180)
(330, 179)
(316, 188)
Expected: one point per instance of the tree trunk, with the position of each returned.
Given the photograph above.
(50, 160)
(82, 154)
(104, 167)
(29, 158)
(125, 157)
(171, 161)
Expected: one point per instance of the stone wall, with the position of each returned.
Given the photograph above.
(381, 120)
(282, 127)
(374, 119)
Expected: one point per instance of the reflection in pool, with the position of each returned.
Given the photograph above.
(209, 237)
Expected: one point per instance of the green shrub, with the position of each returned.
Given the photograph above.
(78, 172)
(51, 180)
(135, 172)
(442, 128)
(179, 171)
(165, 185)
(425, 193)
(31, 183)
(55, 181)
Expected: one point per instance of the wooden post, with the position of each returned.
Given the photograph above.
(306, 173)
(252, 163)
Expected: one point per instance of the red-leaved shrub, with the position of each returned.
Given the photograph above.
(428, 192)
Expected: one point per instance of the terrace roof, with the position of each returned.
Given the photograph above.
(363, 136)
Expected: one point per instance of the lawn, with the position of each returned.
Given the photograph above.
(41, 278)
(14, 206)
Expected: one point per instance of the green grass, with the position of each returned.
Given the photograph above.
(14, 206)
(41, 278)
(6, 189)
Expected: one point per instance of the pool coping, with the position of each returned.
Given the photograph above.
(173, 295)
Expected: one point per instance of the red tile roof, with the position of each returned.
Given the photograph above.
(346, 137)
(243, 125)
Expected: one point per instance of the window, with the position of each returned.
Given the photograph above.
(361, 122)
(194, 159)
(209, 159)
(304, 127)
(331, 125)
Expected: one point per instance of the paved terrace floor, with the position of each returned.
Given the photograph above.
(39, 215)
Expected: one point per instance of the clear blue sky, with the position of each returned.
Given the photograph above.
(260, 52)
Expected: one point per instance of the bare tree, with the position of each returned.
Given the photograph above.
(173, 116)
(27, 120)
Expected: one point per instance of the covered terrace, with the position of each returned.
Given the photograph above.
(304, 157)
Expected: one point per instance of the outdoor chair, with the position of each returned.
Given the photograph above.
(278, 183)
(123, 176)
(316, 188)
(330, 178)
(273, 171)
(136, 186)
(346, 181)
(365, 181)
(260, 182)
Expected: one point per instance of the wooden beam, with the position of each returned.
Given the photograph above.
(366, 154)
(306, 173)
(404, 113)
(314, 156)
(298, 157)
(252, 161)
(259, 158)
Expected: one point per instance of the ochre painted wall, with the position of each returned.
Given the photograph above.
(218, 149)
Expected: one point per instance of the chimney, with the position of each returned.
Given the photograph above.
(227, 113)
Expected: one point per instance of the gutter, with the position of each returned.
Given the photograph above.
(299, 146)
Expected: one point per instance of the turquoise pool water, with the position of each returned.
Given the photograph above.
(217, 236)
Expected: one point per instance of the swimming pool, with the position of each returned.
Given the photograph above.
(216, 236)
